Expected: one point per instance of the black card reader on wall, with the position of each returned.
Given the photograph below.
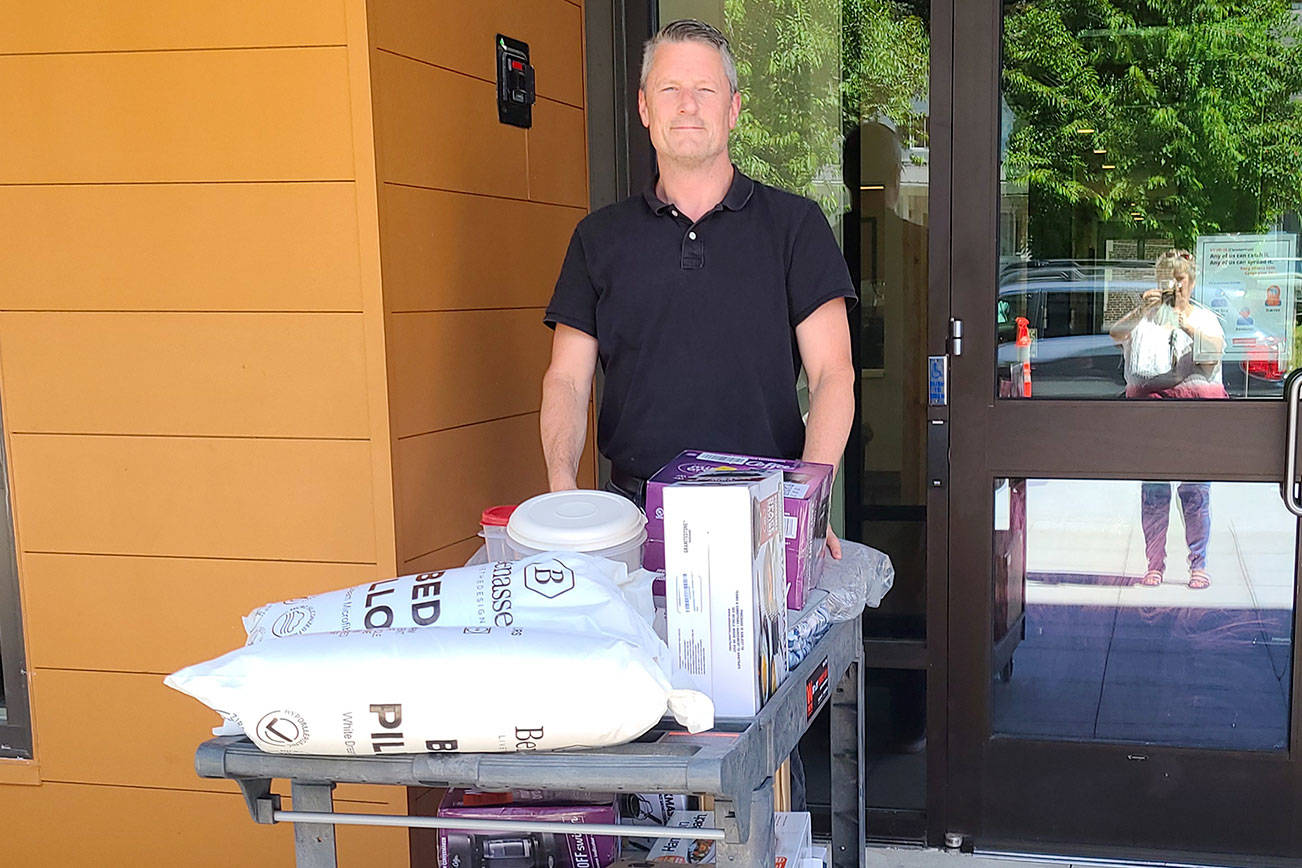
(515, 93)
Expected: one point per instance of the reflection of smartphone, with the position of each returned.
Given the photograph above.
(1168, 291)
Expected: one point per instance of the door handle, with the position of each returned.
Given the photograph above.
(1288, 488)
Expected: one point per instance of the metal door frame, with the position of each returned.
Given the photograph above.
(1067, 798)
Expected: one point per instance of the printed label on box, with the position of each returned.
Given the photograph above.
(816, 690)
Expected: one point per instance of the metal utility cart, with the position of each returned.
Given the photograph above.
(736, 771)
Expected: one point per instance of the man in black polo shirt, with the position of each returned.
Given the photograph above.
(701, 297)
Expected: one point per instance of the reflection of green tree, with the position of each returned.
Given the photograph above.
(886, 56)
(800, 61)
(1191, 102)
(788, 63)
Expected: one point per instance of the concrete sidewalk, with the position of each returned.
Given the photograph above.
(1106, 658)
(1092, 527)
(910, 857)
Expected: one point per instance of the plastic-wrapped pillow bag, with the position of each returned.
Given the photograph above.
(435, 689)
(564, 590)
(537, 654)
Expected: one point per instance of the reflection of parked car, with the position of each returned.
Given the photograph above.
(1067, 304)
(1070, 305)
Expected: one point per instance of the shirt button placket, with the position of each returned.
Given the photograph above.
(693, 251)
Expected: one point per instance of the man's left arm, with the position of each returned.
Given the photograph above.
(823, 338)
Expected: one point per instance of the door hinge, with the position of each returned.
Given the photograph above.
(955, 337)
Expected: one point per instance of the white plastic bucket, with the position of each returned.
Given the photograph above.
(594, 522)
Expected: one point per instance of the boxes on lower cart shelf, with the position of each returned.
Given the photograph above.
(725, 576)
(471, 849)
(685, 850)
(793, 833)
(807, 491)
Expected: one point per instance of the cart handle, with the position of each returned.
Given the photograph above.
(476, 825)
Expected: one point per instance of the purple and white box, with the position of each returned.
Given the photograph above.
(464, 848)
(807, 491)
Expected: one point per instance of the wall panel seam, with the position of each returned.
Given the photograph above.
(470, 75)
(176, 183)
(468, 309)
(146, 310)
(173, 50)
(470, 424)
(183, 436)
(213, 792)
(440, 548)
(367, 156)
(185, 557)
(77, 783)
(149, 672)
(408, 184)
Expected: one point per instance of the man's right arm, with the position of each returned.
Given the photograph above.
(567, 386)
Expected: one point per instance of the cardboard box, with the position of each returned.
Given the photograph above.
(465, 848)
(648, 809)
(807, 490)
(792, 831)
(726, 586)
(685, 850)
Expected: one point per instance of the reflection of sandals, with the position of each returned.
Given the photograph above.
(1198, 580)
(1151, 579)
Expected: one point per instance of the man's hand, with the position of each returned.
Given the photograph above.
(833, 544)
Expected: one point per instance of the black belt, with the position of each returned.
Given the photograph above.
(631, 483)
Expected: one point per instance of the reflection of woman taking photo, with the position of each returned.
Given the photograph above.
(1172, 346)
(1173, 349)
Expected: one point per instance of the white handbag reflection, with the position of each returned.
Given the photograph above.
(1156, 345)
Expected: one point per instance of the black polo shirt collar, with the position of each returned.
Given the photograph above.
(739, 193)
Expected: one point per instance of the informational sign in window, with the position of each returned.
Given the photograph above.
(1248, 281)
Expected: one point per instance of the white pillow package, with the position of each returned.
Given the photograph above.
(571, 589)
(432, 689)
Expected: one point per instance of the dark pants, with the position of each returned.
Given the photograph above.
(635, 490)
(1195, 504)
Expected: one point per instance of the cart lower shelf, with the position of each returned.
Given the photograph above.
(735, 767)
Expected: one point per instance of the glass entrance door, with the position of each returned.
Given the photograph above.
(1124, 261)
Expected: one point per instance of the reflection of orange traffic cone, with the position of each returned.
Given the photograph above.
(1024, 353)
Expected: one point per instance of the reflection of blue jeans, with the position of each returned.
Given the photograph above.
(1155, 509)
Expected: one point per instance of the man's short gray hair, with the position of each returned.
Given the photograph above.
(690, 30)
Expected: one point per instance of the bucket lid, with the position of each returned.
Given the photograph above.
(496, 516)
(580, 521)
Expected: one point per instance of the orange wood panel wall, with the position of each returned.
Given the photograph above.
(474, 221)
(194, 392)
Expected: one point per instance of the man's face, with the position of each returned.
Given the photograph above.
(687, 104)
